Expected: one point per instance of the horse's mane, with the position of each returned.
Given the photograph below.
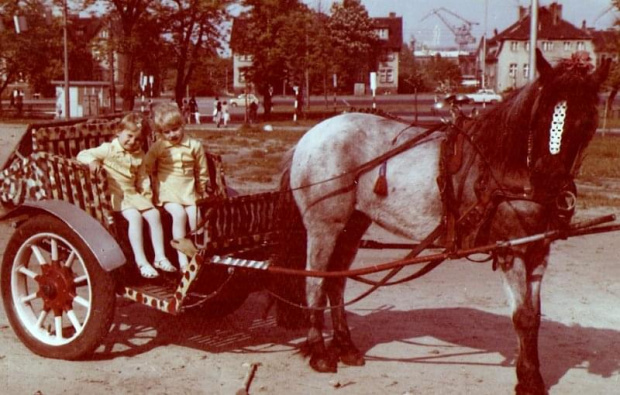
(502, 133)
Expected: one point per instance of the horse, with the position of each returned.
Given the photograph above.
(507, 173)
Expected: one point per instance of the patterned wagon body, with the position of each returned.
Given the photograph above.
(42, 178)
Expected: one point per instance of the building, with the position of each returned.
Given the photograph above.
(388, 29)
(390, 32)
(507, 53)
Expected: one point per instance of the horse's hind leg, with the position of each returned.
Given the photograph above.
(342, 257)
(321, 243)
(523, 271)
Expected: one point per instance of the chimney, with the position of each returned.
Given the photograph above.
(583, 25)
(523, 12)
(556, 12)
(392, 15)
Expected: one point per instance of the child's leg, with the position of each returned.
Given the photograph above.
(191, 212)
(157, 233)
(179, 227)
(136, 240)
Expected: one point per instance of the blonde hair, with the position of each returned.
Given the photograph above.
(133, 122)
(167, 116)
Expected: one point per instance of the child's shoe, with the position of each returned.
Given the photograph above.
(165, 265)
(147, 271)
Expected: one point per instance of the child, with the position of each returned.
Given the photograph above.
(225, 113)
(179, 166)
(130, 190)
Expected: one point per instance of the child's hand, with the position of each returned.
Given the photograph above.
(95, 166)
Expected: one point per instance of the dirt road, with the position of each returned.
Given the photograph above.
(447, 333)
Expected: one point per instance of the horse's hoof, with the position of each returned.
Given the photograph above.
(324, 364)
(540, 389)
(352, 358)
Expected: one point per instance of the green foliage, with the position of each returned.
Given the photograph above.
(289, 42)
(410, 75)
(355, 42)
(33, 55)
(192, 29)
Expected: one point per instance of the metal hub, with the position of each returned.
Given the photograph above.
(56, 287)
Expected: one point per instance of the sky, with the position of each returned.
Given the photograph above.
(420, 23)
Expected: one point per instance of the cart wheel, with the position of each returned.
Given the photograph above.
(57, 298)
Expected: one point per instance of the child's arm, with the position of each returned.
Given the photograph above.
(143, 182)
(94, 157)
(201, 172)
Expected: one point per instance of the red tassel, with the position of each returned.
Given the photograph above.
(381, 187)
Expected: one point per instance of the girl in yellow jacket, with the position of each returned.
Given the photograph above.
(130, 190)
(178, 165)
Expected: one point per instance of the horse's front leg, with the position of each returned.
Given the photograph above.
(523, 269)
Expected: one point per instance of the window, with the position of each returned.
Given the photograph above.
(241, 77)
(386, 76)
(547, 46)
(514, 46)
(245, 58)
(581, 46)
(383, 34)
(526, 70)
(567, 46)
(512, 71)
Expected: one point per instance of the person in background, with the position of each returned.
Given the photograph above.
(178, 165)
(130, 190)
(225, 113)
(193, 109)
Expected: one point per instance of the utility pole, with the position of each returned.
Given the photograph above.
(533, 37)
(66, 88)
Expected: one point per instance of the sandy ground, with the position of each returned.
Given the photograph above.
(447, 333)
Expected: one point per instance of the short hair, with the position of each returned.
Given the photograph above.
(166, 116)
(133, 122)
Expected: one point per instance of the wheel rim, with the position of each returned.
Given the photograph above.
(51, 289)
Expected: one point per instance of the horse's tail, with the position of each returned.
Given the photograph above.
(291, 253)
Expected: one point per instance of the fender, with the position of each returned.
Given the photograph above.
(105, 248)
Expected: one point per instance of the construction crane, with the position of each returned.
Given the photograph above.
(462, 33)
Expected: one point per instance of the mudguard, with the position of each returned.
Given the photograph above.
(105, 248)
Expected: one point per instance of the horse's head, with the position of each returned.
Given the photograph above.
(564, 118)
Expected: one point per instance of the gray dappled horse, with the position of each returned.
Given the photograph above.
(503, 175)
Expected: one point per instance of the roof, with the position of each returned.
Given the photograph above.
(239, 30)
(550, 27)
(395, 26)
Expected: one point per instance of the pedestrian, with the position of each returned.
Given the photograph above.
(225, 113)
(218, 118)
(178, 165)
(253, 112)
(20, 101)
(193, 108)
(185, 111)
(130, 190)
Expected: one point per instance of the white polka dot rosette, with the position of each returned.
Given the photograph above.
(557, 128)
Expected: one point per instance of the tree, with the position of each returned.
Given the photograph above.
(410, 76)
(275, 40)
(33, 55)
(354, 39)
(130, 15)
(193, 28)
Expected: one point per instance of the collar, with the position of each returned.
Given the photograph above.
(185, 141)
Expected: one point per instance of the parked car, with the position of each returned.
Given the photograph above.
(241, 100)
(485, 96)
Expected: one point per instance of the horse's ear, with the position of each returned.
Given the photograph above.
(602, 72)
(543, 67)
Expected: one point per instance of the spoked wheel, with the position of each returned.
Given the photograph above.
(58, 300)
